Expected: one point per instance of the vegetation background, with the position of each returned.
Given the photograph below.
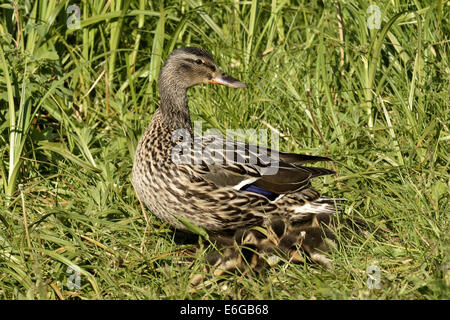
(74, 100)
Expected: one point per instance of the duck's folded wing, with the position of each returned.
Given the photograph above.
(249, 167)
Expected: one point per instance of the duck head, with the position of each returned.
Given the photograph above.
(190, 66)
(185, 68)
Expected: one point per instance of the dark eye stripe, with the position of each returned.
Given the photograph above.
(199, 61)
(186, 67)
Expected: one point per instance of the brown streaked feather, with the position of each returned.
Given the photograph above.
(290, 179)
(241, 162)
(295, 158)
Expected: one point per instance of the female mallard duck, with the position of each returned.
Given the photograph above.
(231, 196)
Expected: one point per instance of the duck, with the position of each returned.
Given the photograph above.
(241, 195)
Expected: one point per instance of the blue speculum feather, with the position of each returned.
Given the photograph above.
(268, 194)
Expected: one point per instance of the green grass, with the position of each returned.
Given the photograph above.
(73, 104)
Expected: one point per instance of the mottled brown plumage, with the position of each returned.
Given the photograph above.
(230, 196)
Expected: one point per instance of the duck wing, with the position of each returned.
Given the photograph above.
(242, 166)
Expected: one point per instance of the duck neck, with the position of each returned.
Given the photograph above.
(174, 108)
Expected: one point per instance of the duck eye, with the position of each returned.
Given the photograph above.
(198, 61)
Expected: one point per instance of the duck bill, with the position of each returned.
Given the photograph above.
(228, 81)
